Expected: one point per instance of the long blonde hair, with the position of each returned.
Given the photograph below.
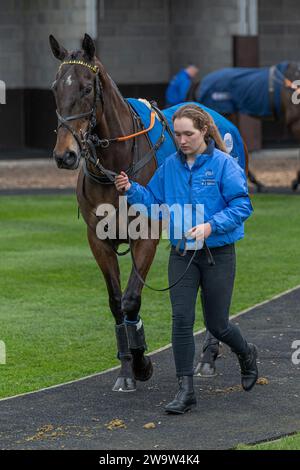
(201, 119)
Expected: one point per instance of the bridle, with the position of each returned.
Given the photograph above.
(89, 140)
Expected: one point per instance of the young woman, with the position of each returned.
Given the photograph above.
(201, 172)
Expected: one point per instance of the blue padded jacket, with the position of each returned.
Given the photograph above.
(215, 181)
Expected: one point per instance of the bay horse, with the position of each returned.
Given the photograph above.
(97, 124)
(88, 100)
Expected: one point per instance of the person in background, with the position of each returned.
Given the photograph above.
(179, 87)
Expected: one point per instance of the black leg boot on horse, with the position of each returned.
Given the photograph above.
(141, 364)
(131, 305)
(206, 367)
(125, 381)
(108, 262)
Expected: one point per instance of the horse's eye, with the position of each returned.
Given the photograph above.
(87, 90)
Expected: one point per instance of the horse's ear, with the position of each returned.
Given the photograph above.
(88, 46)
(58, 51)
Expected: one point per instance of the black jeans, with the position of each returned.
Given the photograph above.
(216, 284)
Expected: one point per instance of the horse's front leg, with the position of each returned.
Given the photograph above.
(143, 252)
(108, 263)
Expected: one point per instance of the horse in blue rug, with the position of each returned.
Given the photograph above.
(110, 134)
(229, 132)
(266, 93)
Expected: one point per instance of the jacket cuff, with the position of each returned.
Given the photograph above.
(131, 190)
(213, 225)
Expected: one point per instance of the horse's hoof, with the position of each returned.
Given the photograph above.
(261, 188)
(144, 371)
(205, 369)
(124, 384)
(295, 185)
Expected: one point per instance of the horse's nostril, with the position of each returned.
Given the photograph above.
(58, 159)
(70, 158)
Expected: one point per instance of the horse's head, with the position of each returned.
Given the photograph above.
(76, 88)
(291, 98)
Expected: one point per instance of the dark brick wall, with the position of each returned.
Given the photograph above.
(279, 30)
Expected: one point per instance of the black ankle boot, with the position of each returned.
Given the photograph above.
(249, 372)
(185, 398)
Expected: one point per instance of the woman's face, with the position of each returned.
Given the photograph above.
(189, 139)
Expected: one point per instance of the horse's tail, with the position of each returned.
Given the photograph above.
(192, 92)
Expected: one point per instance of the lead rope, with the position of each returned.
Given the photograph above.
(210, 260)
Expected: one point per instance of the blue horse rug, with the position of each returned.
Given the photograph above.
(228, 131)
(242, 89)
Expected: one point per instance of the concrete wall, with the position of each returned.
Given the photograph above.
(66, 20)
(25, 57)
(11, 43)
(279, 30)
(134, 40)
(148, 41)
(139, 41)
(201, 33)
(142, 43)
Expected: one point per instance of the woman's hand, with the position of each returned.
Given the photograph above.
(122, 182)
(200, 232)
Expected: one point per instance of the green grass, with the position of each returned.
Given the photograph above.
(55, 319)
(286, 443)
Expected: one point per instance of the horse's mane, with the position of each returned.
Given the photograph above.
(76, 55)
(104, 73)
(116, 88)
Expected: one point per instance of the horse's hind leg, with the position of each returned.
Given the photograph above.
(108, 263)
(206, 367)
(258, 184)
(143, 252)
(296, 182)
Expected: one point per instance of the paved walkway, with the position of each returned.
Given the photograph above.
(75, 415)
